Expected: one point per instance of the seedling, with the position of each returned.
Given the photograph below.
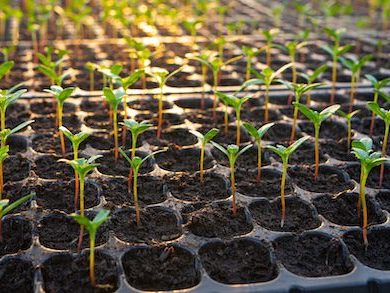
(76, 140)
(7, 97)
(269, 36)
(92, 227)
(82, 167)
(91, 67)
(317, 119)
(249, 54)
(257, 135)
(377, 86)
(110, 74)
(3, 155)
(136, 128)
(61, 95)
(5, 208)
(355, 66)
(135, 164)
(204, 140)
(204, 69)
(161, 76)
(312, 78)
(385, 116)
(362, 149)
(236, 103)
(284, 153)
(335, 52)
(5, 68)
(232, 152)
(192, 26)
(266, 77)
(6, 133)
(114, 98)
(348, 117)
(299, 89)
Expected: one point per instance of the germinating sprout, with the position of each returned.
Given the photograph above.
(348, 117)
(310, 79)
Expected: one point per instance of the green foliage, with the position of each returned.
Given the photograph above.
(92, 226)
(258, 134)
(136, 128)
(6, 133)
(4, 153)
(114, 97)
(76, 139)
(266, 76)
(317, 117)
(61, 94)
(285, 152)
(369, 159)
(5, 207)
(136, 162)
(232, 101)
(5, 68)
(316, 74)
(207, 137)
(82, 166)
(232, 151)
(382, 113)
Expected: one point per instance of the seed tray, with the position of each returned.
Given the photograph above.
(330, 255)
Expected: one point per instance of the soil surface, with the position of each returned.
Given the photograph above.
(160, 268)
(17, 275)
(16, 168)
(16, 234)
(48, 167)
(241, 261)
(353, 171)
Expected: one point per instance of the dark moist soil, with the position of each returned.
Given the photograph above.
(151, 190)
(280, 133)
(269, 185)
(187, 160)
(254, 115)
(48, 123)
(189, 188)
(100, 121)
(16, 235)
(329, 129)
(300, 216)
(157, 224)
(104, 140)
(342, 210)
(51, 144)
(377, 254)
(379, 127)
(88, 105)
(14, 191)
(169, 119)
(17, 144)
(48, 106)
(337, 150)
(59, 231)
(108, 165)
(330, 180)
(228, 137)
(161, 268)
(48, 167)
(17, 275)
(194, 103)
(353, 171)
(176, 136)
(188, 209)
(59, 195)
(217, 220)
(148, 104)
(384, 200)
(241, 261)
(205, 117)
(16, 168)
(64, 272)
(312, 255)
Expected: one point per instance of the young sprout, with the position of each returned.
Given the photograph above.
(269, 36)
(292, 49)
(249, 54)
(110, 74)
(136, 128)
(236, 103)
(317, 119)
(3, 155)
(76, 140)
(204, 140)
(277, 13)
(6, 133)
(257, 135)
(385, 116)
(5, 68)
(335, 52)
(161, 76)
(192, 26)
(348, 117)
(82, 167)
(299, 89)
(312, 78)
(91, 67)
(284, 153)
(92, 227)
(135, 164)
(377, 86)
(355, 66)
(61, 94)
(232, 152)
(114, 98)
(7, 97)
(362, 149)
(5, 208)
(266, 77)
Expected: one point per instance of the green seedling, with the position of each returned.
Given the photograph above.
(82, 167)
(362, 149)
(114, 98)
(76, 140)
(6, 133)
(292, 48)
(110, 74)
(135, 164)
(3, 155)
(269, 36)
(266, 77)
(355, 66)
(385, 116)
(249, 54)
(61, 95)
(236, 103)
(298, 89)
(161, 76)
(5, 68)
(204, 70)
(335, 52)
(277, 13)
(284, 153)
(91, 67)
(257, 135)
(204, 140)
(192, 26)
(377, 85)
(6, 207)
(312, 78)
(92, 227)
(232, 152)
(317, 119)
(7, 97)
(348, 117)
